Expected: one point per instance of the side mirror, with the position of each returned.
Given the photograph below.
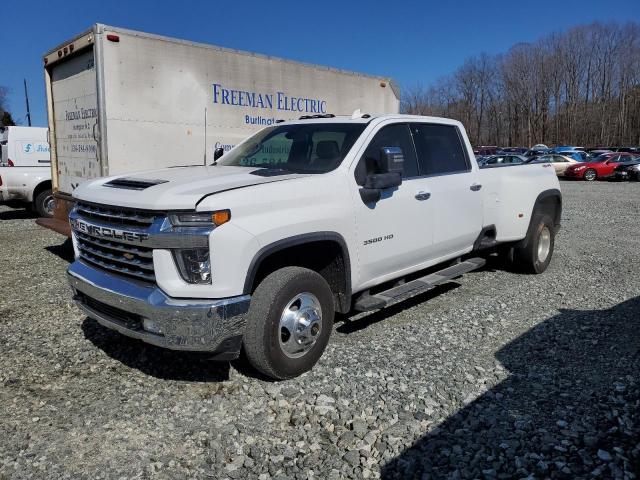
(389, 164)
(217, 153)
(391, 160)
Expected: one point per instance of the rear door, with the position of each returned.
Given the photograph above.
(456, 197)
(75, 112)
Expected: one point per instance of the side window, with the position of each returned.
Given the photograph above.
(439, 149)
(390, 136)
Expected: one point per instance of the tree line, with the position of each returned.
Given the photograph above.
(576, 87)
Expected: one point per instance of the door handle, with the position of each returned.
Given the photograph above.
(423, 196)
(475, 187)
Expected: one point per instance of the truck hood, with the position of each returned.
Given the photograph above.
(177, 188)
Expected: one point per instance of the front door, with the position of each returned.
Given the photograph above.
(394, 233)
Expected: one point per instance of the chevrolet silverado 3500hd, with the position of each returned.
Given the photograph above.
(258, 250)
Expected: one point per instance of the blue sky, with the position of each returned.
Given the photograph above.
(411, 41)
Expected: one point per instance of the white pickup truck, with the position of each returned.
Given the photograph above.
(25, 169)
(303, 219)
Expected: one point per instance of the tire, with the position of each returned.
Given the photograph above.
(44, 203)
(271, 344)
(590, 175)
(535, 255)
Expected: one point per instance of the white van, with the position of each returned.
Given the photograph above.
(25, 168)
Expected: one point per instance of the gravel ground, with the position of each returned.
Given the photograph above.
(496, 375)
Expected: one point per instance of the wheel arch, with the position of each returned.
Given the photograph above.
(40, 187)
(548, 202)
(330, 259)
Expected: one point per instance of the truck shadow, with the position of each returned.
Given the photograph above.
(572, 390)
(64, 250)
(154, 361)
(198, 367)
(18, 214)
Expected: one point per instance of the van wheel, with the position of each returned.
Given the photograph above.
(536, 255)
(45, 203)
(289, 322)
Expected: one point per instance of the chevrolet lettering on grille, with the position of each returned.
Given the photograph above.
(107, 232)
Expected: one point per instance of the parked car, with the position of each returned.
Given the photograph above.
(536, 151)
(560, 163)
(598, 168)
(628, 170)
(503, 160)
(481, 159)
(578, 155)
(516, 150)
(565, 148)
(486, 150)
(633, 150)
(595, 153)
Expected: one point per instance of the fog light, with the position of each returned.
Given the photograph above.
(194, 265)
(151, 326)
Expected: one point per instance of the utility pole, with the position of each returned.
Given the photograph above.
(26, 97)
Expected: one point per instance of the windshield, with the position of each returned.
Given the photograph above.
(299, 148)
(600, 158)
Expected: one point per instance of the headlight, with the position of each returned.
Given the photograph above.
(194, 265)
(579, 167)
(200, 219)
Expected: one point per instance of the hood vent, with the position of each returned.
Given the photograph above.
(271, 172)
(133, 183)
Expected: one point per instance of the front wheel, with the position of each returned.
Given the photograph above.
(535, 255)
(45, 203)
(289, 322)
(590, 175)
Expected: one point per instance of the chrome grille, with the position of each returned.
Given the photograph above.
(115, 215)
(110, 253)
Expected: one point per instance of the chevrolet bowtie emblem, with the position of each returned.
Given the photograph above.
(128, 256)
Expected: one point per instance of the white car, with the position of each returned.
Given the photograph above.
(25, 169)
(301, 220)
(560, 163)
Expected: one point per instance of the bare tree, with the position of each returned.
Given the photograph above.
(580, 86)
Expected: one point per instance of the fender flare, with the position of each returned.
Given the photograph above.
(296, 240)
(551, 193)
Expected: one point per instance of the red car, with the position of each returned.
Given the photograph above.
(600, 167)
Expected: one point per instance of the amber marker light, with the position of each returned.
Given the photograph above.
(220, 217)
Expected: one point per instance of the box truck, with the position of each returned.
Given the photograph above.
(120, 101)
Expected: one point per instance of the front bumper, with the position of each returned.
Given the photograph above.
(179, 324)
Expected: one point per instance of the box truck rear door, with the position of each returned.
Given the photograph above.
(75, 111)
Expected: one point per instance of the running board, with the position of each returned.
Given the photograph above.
(368, 302)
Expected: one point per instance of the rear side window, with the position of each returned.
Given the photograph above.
(390, 136)
(439, 149)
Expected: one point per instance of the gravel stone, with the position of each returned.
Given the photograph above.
(494, 375)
